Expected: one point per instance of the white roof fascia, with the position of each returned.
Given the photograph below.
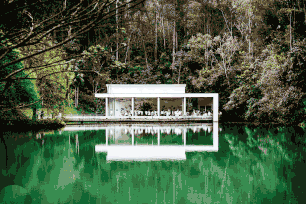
(162, 95)
(145, 88)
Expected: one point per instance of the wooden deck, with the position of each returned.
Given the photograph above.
(88, 118)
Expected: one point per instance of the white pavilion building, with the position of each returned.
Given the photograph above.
(121, 101)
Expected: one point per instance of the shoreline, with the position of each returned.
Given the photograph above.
(54, 124)
(29, 125)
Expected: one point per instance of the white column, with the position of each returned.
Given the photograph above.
(184, 106)
(133, 101)
(114, 106)
(216, 108)
(158, 106)
(106, 106)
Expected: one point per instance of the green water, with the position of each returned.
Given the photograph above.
(252, 165)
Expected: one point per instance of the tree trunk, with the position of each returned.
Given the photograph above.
(179, 76)
(96, 87)
(34, 117)
(173, 47)
(117, 30)
(129, 53)
(164, 33)
(76, 96)
(176, 46)
(155, 51)
(145, 51)
(169, 36)
(127, 49)
(68, 88)
(93, 86)
(290, 33)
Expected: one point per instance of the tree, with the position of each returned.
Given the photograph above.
(63, 22)
(17, 93)
(271, 91)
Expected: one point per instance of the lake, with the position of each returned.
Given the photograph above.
(154, 163)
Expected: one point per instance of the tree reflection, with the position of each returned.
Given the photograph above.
(68, 170)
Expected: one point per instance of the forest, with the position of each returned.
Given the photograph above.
(55, 55)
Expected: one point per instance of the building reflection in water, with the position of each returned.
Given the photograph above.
(142, 142)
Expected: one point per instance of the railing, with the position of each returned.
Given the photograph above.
(164, 115)
(153, 118)
(146, 113)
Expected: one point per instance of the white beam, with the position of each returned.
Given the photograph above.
(156, 95)
(133, 101)
(216, 108)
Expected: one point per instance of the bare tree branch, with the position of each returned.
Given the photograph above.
(78, 33)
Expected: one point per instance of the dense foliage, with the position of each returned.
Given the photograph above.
(18, 90)
(251, 52)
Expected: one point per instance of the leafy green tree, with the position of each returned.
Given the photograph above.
(218, 60)
(269, 91)
(18, 90)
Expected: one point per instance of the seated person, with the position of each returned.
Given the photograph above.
(209, 113)
(194, 113)
(176, 113)
(168, 113)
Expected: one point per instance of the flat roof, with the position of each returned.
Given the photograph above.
(151, 95)
(145, 88)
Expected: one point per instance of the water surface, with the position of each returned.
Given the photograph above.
(251, 165)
